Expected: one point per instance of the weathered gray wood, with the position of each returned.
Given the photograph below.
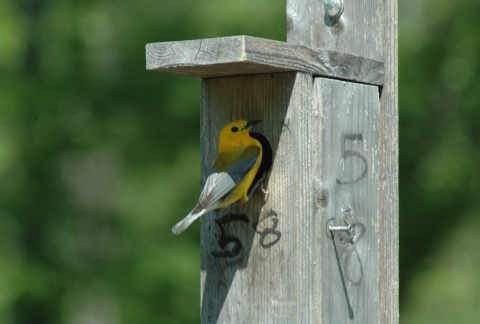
(265, 284)
(366, 28)
(243, 55)
(347, 173)
(360, 30)
(315, 126)
(388, 172)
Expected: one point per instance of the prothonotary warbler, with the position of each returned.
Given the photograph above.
(238, 160)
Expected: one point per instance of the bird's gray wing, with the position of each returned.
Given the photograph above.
(240, 168)
(216, 186)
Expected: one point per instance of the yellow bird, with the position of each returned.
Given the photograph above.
(238, 160)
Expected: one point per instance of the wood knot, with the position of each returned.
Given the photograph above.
(321, 198)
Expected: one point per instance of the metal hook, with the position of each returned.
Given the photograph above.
(348, 228)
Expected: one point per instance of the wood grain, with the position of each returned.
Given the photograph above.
(367, 29)
(272, 279)
(348, 174)
(359, 32)
(243, 55)
(388, 196)
(304, 277)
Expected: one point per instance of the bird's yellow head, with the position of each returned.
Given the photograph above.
(236, 133)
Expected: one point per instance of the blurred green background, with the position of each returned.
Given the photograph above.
(99, 158)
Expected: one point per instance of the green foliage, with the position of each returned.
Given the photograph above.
(439, 159)
(99, 158)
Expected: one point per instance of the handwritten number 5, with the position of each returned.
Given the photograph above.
(351, 153)
(224, 240)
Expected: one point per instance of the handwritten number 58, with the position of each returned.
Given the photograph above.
(231, 246)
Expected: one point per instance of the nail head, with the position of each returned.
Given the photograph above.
(333, 8)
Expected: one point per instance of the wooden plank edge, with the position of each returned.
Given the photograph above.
(241, 55)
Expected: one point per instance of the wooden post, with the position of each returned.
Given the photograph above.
(328, 101)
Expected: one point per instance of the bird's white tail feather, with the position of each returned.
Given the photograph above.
(184, 223)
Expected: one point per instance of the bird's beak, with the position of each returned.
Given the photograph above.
(250, 123)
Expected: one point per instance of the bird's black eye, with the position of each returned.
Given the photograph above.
(234, 129)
